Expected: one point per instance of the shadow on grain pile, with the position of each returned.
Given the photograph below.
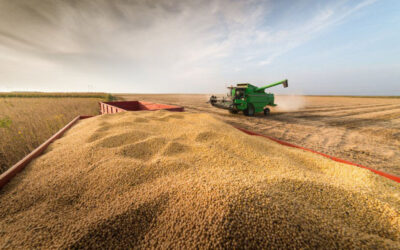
(181, 180)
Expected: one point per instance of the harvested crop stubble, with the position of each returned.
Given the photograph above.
(181, 180)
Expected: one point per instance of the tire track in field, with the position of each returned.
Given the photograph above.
(349, 112)
(395, 123)
(369, 111)
(372, 118)
(306, 137)
(343, 139)
(352, 107)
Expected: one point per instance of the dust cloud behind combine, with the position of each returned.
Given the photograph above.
(289, 102)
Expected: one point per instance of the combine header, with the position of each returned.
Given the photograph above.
(247, 98)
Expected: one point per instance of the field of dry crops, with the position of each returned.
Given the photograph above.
(361, 130)
(25, 123)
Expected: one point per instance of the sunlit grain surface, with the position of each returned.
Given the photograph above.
(186, 181)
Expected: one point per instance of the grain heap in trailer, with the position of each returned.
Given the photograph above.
(247, 98)
(142, 177)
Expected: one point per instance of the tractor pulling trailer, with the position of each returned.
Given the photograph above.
(247, 98)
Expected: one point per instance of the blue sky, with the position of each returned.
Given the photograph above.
(338, 47)
(361, 55)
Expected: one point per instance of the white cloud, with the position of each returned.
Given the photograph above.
(132, 45)
(290, 38)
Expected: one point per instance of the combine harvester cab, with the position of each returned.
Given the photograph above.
(247, 98)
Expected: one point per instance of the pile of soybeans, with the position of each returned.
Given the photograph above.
(179, 180)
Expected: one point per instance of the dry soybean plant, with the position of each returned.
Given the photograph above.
(25, 123)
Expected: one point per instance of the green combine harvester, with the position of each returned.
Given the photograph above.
(247, 98)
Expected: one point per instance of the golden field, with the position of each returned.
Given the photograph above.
(57, 95)
(25, 123)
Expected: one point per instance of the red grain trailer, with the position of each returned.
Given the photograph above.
(116, 107)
